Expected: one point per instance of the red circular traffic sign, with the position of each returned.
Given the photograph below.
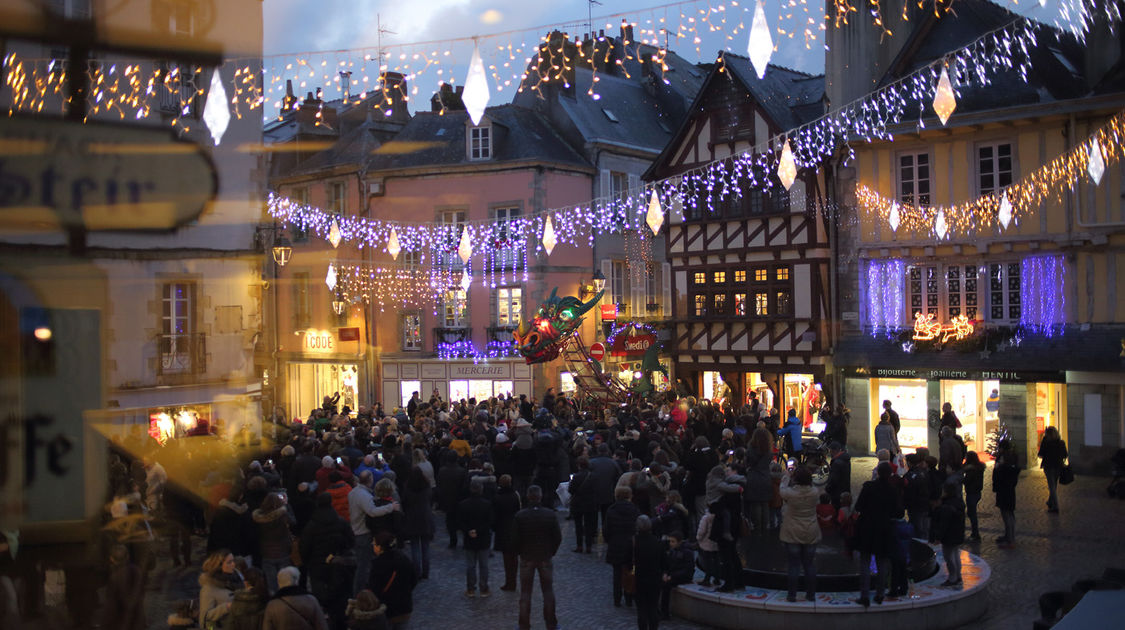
(597, 351)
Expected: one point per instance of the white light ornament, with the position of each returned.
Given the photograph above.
(466, 280)
(786, 167)
(392, 245)
(655, 217)
(1005, 214)
(475, 95)
(465, 247)
(895, 218)
(944, 99)
(330, 279)
(334, 234)
(1095, 164)
(216, 113)
(760, 46)
(549, 238)
(940, 226)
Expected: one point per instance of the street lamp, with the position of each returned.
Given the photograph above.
(599, 281)
(338, 303)
(282, 251)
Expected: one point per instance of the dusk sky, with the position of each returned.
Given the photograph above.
(293, 26)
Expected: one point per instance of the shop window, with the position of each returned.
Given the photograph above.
(412, 332)
(699, 277)
(994, 167)
(501, 388)
(406, 391)
(784, 303)
(762, 304)
(925, 286)
(740, 275)
(740, 304)
(699, 305)
(458, 390)
(961, 291)
(509, 301)
(454, 307)
(914, 179)
(566, 383)
(1004, 292)
(720, 302)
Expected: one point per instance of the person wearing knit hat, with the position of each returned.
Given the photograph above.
(502, 438)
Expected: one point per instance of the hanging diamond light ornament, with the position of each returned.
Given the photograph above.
(760, 46)
(465, 248)
(655, 217)
(466, 280)
(940, 226)
(549, 240)
(330, 279)
(944, 99)
(334, 234)
(786, 166)
(475, 96)
(895, 218)
(1095, 165)
(216, 113)
(1005, 215)
(392, 245)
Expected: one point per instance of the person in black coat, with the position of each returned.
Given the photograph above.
(505, 506)
(604, 472)
(949, 530)
(327, 537)
(839, 473)
(536, 538)
(621, 523)
(392, 578)
(650, 566)
(232, 527)
(877, 503)
(584, 506)
(475, 517)
(679, 569)
(1005, 476)
(418, 511)
(450, 491)
(698, 463)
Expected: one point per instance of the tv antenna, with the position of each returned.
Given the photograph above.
(590, 14)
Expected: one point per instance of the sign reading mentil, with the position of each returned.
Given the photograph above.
(58, 174)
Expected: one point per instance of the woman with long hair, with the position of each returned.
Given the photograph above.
(1052, 452)
(799, 529)
(217, 584)
(759, 485)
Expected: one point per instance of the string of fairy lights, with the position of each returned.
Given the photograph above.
(135, 90)
(1008, 206)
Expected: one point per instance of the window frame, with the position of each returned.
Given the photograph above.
(480, 143)
(1006, 292)
(915, 196)
(504, 306)
(457, 317)
(336, 197)
(411, 343)
(996, 172)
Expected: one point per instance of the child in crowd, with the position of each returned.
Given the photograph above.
(826, 515)
(708, 549)
(845, 522)
(680, 569)
(366, 612)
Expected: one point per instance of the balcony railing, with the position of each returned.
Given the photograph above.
(501, 334)
(182, 354)
(449, 335)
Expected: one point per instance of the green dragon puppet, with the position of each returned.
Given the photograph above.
(542, 338)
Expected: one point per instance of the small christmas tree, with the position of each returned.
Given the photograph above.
(992, 442)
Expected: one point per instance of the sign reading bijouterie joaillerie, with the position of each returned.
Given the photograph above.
(954, 374)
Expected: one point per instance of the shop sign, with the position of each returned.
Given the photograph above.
(348, 334)
(626, 346)
(480, 371)
(609, 312)
(946, 374)
(319, 341)
(433, 370)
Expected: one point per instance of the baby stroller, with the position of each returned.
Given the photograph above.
(1116, 486)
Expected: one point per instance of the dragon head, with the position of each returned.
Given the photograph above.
(541, 338)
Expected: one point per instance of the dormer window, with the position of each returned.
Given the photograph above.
(480, 142)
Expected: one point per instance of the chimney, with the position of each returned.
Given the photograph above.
(626, 33)
(346, 84)
(447, 99)
(290, 100)
(394, 90)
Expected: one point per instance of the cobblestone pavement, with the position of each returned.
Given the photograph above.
(1052, 552)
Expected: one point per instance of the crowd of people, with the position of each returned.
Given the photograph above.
(332, 527)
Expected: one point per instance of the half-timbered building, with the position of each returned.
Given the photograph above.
(749, 272)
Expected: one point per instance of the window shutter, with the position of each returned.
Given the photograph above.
(666, 287)
(494, 308)
(637, 291)
(634, 184)
(607, 271)
(604, 178)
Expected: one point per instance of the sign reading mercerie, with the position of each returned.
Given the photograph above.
(101, 176)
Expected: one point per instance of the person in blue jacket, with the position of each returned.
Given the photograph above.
(792, 430)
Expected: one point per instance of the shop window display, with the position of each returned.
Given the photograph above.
(908, 397)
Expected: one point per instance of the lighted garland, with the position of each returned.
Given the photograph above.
(466, 350)
(1048, 182)
(394, 287)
